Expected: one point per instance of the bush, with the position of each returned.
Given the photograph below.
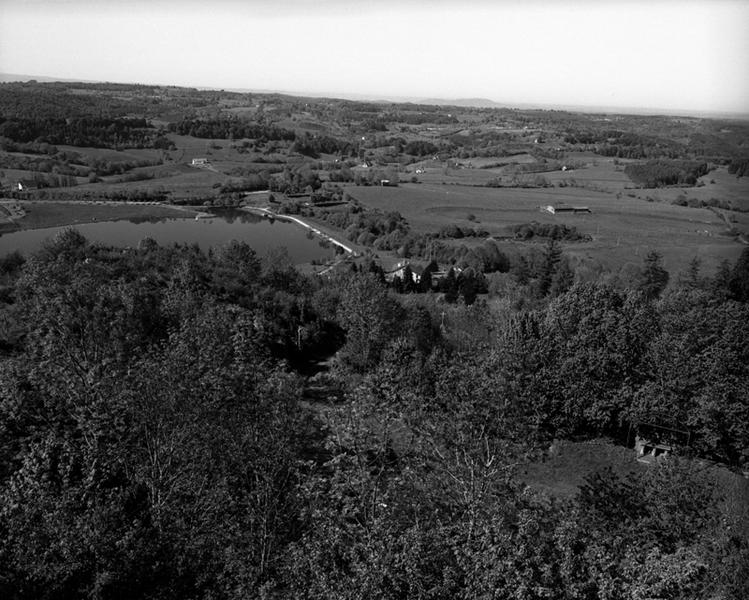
(526, 231)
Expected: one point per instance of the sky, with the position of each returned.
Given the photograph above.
(678, 55)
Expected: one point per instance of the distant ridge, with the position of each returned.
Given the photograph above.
(462, 102)
(459, 102)
(15, 77)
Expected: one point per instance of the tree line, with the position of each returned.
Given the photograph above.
(230, 128)
(659, 173)
(92, 132)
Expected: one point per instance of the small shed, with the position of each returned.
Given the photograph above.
(24, 185)
(647, 450)
(656, 441)
(564, 208)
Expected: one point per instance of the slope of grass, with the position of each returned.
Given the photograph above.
(567, 464)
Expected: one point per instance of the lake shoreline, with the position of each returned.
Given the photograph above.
(127, 226)
(267, 212)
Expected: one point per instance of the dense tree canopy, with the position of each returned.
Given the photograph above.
(156, 439)
(83, 131)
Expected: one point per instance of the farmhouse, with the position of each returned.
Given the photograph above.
(199, 162)
(563, 208)
(400, 271)
(27, 184)
(440, 275)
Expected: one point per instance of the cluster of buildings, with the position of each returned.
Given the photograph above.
(400, 271)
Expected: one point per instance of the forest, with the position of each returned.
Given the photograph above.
(229, 128)
(660, 173)
(162, 434)
(84, 131)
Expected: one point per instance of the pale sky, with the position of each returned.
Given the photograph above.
(668, 54)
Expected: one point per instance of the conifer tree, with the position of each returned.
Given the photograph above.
(654, 278)
(450, 287)
(552, 256)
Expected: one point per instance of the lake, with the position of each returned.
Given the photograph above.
(260, 233)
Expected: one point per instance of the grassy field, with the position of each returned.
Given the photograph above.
(718, 184)
(181, 180)
(436, 173)
(591, 171)
(114, 156)
(55, 214)
(623, 229)
(600, 173)
(563, 472)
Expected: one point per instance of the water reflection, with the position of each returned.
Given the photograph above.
(226, 224)
(145, 219)
(230, 215)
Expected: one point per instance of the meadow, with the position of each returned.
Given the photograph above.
(623, 228)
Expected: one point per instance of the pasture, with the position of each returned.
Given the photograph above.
(718, 184)
(114, 156)
(589, 172)
(437, 173)
(564, 468)
(601, 174)
(182, 181)
(623, 229)
(563, 471)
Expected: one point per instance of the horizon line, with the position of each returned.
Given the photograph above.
(395, 99)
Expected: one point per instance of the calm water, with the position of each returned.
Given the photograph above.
(261, 234)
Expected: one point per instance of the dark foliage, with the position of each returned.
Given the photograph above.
(554, 231)
(152, 442)
(420, 148)
(234, 129)
(658, 173)
(82, 131)
(738, 166)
